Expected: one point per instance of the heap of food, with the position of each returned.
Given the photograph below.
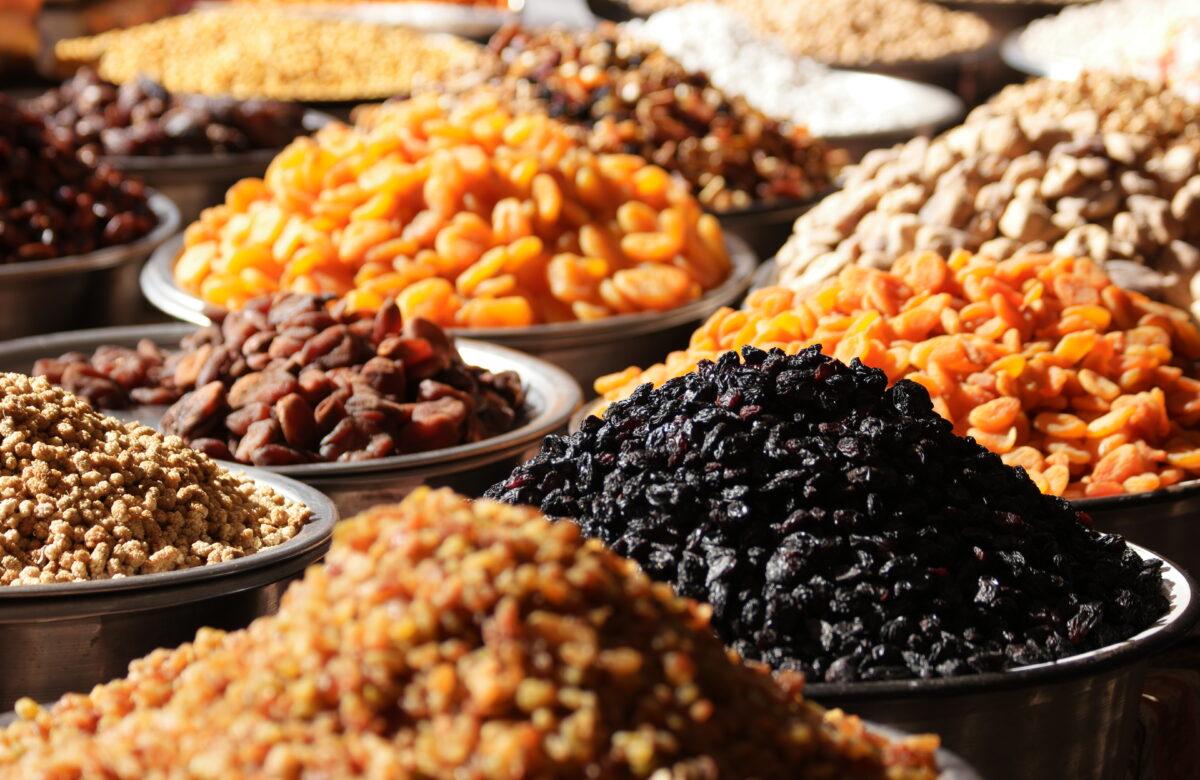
(469, 216)
(250, 52)
(446, 638)
(52, 203)
(1104, 168)
(839, 527)
(140, 119)
(288, 380)
(86, 497)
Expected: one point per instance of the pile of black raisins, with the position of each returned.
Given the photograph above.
(838, 527)
(52, 203)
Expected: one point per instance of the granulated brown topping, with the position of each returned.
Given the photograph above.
(448, 639)
(86, 497)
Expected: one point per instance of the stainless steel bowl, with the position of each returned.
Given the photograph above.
(551, 397)
(99, 288)
(1073, 718)
(585, 350)
(196, 181)
(1006, 15)
(72, 636)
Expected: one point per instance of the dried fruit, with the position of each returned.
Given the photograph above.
(838, 527)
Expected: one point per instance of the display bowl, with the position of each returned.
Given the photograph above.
(551, 397)
(1164, 519)
(585, 350)
(99, 288)
(196, 181)
(932, 108)
(950, 765)
(69, 637)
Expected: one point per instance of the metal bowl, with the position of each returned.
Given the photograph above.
(196, 181)
(72, 636)
(1072, 718)
(551, 397)
(99, 288)
(586, 350)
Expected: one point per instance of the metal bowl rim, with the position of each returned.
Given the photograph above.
(168, 217)
(315, 533)
(562, 393)
(312, 119)
(159, 287)
(1181, 617)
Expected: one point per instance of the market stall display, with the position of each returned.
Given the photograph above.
(1105, 169)
(445, 662)
(940, 467)
(249, 53)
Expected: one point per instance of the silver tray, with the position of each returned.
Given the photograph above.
(72, 636)
(551, 397)
(585, 350)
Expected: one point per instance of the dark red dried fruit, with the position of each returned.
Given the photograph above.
(197, 412)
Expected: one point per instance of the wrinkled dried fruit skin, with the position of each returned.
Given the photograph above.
(838, 527)
(331, 385)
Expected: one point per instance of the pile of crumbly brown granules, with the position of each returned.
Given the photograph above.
(86, 497)
(443, 638)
